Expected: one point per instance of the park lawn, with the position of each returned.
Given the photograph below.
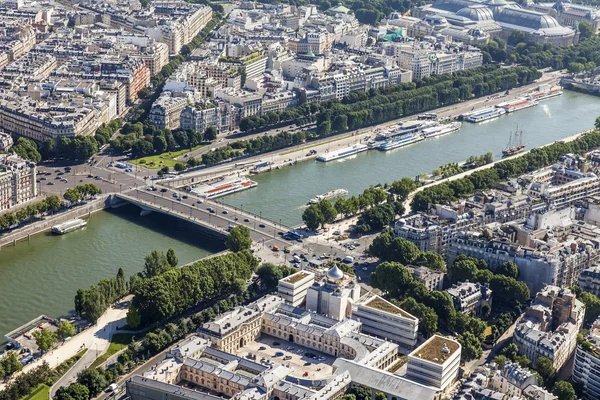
(166, 159)
(118, 342)
(41, 392)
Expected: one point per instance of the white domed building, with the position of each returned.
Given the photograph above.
(333, 295)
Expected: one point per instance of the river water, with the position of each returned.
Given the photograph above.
(41, 276)
(282, 194)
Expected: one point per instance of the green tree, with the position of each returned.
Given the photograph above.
(155, 264)
(516, 37)
(53, 202)
(586, 30)
(564, 391)
(463, 270)
(10, 363)
(428, 319)
(380, 396)
(328, 211)
(65, 329)
(471, 346)
(239, 238)
(431, 260)
(509, 269)
(545, 368)
(44, 339)
(507, 289)
(312, 217)
(361, 392)
(210, 134)
(179, 167)
(133, 318)
(403, 188)
(94, 380)
(172, 258)
(74, 391)
(270, 274)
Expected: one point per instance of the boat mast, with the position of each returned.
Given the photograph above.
(510, 140)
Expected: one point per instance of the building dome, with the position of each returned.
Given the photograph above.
(476, 13)
(335, 274)
(530, 20)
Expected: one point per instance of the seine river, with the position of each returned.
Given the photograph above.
(283, 193)
(42, 276)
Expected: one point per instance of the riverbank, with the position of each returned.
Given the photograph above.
(25, 233)
(407, 209)
(289, 155)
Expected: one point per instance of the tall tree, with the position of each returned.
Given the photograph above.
(239, 238)
(65, 329)
(172, 258)
(45, 339)
(155, 263)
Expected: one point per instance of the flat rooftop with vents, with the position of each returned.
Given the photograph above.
(435, 362)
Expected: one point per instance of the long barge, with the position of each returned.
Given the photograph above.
(68, 226)
(224, 188)
(516, 105)
(346, 152)
(400, 142)
(544, 92)
(482, 114)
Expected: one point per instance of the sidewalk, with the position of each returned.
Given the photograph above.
(96, 339)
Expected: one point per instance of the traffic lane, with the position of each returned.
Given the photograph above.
(110, 181)
(216, 219)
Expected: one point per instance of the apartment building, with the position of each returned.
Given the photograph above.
(559, 186)
(44, 119)
(512, 379)
(425, 60)
(16, 39)
(550, 326)
(586, 368)
(433, 280)
(6, 141)
(468, 297)
(17, 181)
(30, 68)
(166, 110)
(435, 363)
(293, 288)
(589, 280)
(176, 23)
(383, 319)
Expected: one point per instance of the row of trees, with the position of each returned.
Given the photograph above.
(106, 131)
(175, 290)
(95, 300)
(377, 106)
(144, 139)
(386, 247)
(29, 213)
(81, 192)
(483, 180)
(77, 148)
(581, 56)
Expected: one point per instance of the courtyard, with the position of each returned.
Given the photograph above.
(306, 363)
